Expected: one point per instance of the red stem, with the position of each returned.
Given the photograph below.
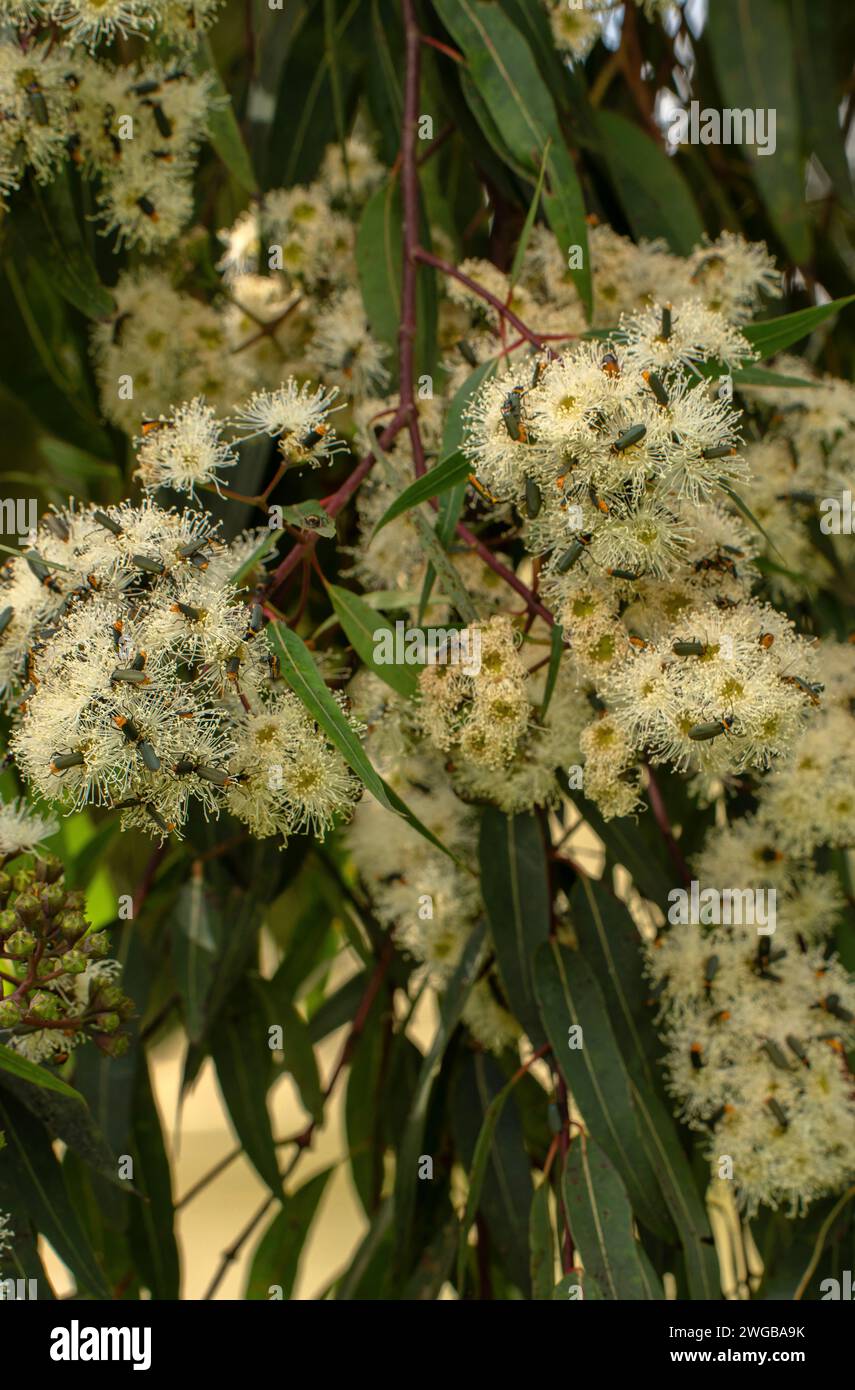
(428, 258)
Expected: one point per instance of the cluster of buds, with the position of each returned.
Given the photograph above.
(59, 988)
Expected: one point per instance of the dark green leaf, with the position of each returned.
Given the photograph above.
(151, 1229)
(303, 676)
(18, 1066)
(515, 885)
(600, 1218)
(755, 64)
(31, 1185)
(407, 1182)
(596, 1074)
(771, 336)
(454, 469)
(277, 1256)
(651, 189)
(541, 1245)
(361, 625)
(244, 1062)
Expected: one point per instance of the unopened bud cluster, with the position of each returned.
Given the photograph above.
(66, 991)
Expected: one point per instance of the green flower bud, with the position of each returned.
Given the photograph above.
(72, 925)
(10, 1013)
(5, 884)
(52, 899)
(110, 997)
(108, 1023)
(45, 1005)
(22, 881)
(21, 943)
(49, 869)
(75, 901)
(8, 921)
(97, 944)
(116, 1046)
(74, 962)
(27, 907)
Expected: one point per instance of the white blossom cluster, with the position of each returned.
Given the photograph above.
(92, 22)
(757, 1030)
(576, 26)
(135, 131)
(141, 678)
(430, 903)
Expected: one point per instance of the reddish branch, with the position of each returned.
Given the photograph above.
(410, 198)
(428, 258)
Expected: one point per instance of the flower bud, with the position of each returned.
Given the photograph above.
(52, 898)
(27, 907)
(45, 1005)
(72, 925)
(21, 943)
(108, 1023)
(10, 1013)
(8, 921)
(49, 869)
(97, 944)
(22, 881)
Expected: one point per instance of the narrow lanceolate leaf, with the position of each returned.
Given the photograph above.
(763, 376)
(407, 1181)
(541, 1245)
(771, 336)
(600, 1218)
(244, 1062)
(596, 1074)
(530, 218)
(452, 433)
(72, 270)
(151, 1229)
(223, 129)
(749, 515)
(556, 637)
(32, 1189)
(305, 680)
(454, 469)
(68, 1118)
(609, 940)
(364, 628)
(754, 57)
(277, 1257)
(650, 186)
(378, 262)
(16, 1065)
(515, 884)
(499, 1174)
(522, 113)
(300, 1060)
(195, 950)
(452, 585)
(264, 547)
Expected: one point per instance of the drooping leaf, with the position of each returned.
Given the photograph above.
(541, 1245)
(596, 1074)
(407, 1182)
(515, 885)
(754, 57)
(151, 1231)
(649, 185)
(277, 1256)
(600, 1218)
(499, 1175)
(771, 336)
(35, 1075)
(31, 1184)
(303, 676)
(362, 626)
(244, 1063)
